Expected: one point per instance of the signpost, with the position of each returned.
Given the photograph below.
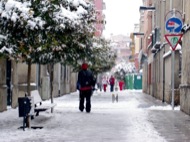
(173, 28)
(173, 40)
(174, 25)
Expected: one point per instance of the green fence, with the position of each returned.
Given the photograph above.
(129, 81)
(126, 81)
(133, 81)
(137, 81)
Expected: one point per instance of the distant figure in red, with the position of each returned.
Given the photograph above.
(104, 83)
(121, 85)
(112, 83)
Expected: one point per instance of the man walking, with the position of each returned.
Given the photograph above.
(86, 83)
(112, 83)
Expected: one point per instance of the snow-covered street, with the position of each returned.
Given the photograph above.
(135, 118)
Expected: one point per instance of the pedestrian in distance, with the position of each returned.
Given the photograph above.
(99, 82)
(115, 96)
(104, 83)
(112, 83)
(121, 85)
(86, 84)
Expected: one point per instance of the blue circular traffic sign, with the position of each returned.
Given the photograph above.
(174, 25)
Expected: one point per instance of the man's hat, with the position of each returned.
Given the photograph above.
(84, 66)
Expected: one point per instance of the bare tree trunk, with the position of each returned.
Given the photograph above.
(51, 84)
(28, 91)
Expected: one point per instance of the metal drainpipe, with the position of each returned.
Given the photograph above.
(37, 76)
(59, 80)
(183, 11)
(163, 100)
(154, 62)
(154, 74)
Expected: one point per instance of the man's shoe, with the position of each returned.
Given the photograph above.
(81, 110)
(88, 111)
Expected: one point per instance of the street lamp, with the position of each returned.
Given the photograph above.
(138, 34)
(150, 8)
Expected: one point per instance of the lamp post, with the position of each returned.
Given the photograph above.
(173, 67)
(150, 8)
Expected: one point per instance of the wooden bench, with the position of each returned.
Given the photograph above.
(38, 106)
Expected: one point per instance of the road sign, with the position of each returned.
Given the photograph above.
(173, 13)
(173, 40)
(174, 25)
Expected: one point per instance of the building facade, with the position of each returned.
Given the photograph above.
(185, 78)
(157, 71)
(99, 6)
(121, 47)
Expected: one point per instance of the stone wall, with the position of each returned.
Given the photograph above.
(15, 90)
(3, 88)
(185, 75)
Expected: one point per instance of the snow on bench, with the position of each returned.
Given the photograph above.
(38, 106)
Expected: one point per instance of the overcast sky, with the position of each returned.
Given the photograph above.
(121, 15)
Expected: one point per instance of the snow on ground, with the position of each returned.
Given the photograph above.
(124, 121)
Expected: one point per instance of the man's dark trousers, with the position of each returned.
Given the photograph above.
(111, 88)
(85, 94)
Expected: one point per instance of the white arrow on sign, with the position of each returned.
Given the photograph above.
(177, 25)
(174, 25)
